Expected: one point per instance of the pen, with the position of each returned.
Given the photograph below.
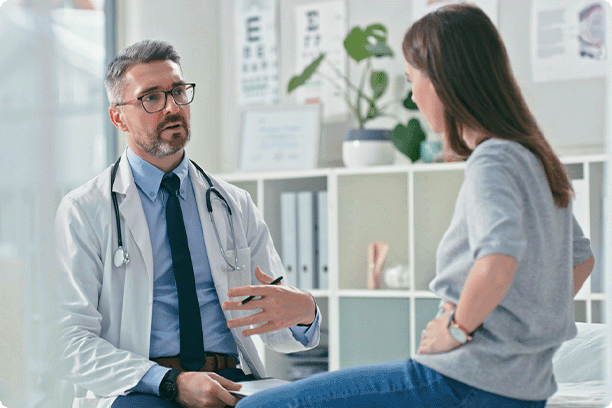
(274, 282)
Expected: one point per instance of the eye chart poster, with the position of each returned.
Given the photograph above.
(321, 28)
(568, 39)
(257, 51)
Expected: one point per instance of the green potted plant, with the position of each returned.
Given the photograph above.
(408, 138)
(364, 100)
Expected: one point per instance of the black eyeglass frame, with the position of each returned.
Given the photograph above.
(166, 93)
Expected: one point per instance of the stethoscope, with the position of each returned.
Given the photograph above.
(121, 256)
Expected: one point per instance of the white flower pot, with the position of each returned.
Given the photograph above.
(367, 147)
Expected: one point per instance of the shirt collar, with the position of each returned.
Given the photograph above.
(148, 177)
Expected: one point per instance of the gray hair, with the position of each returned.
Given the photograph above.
(139, 53)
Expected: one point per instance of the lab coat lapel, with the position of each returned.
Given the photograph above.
(133, 214)
(215, 258)
(218, 266)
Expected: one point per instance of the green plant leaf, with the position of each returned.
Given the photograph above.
(379, 80)
(304, 76)
(358, 41)
(372, 112)
(409, 103)
(408, 138)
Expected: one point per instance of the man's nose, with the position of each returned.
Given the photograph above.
(171, 105)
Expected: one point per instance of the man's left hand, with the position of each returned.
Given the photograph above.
(281, 305)
(436, 338)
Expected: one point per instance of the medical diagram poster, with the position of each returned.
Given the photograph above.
(257, 51)
(568, 39)
(321, 28)
(422, 7)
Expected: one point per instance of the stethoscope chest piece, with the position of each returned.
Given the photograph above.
(120, 258)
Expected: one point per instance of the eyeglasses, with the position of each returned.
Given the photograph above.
(156, 101)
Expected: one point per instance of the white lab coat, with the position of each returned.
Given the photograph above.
(106, 311)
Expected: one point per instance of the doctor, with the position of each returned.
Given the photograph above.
(120, 339)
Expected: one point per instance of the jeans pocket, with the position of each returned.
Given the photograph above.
(461, 392)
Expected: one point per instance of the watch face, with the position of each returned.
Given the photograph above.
(168, 390)
(457, 334)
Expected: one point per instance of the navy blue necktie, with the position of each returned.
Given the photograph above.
(192, 354)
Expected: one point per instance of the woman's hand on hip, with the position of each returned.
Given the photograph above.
(436, 338)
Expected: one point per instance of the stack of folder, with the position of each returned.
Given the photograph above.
(304, 243)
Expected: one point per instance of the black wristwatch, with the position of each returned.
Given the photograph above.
(167, 388)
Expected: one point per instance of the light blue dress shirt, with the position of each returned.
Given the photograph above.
(165, 338)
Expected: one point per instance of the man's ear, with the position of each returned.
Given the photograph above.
(116, 116)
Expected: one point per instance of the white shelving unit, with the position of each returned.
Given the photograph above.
(409, 207)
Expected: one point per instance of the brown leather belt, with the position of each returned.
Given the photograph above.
(214, 362)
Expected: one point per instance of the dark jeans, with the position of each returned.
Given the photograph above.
(397, 384)
(139, 400)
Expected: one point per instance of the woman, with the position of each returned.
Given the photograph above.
(512, 258)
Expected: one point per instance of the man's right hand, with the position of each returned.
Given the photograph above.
(200, 389)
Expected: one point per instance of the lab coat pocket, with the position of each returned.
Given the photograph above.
(241, 276)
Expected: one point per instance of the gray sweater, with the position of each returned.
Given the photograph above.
(505, 206)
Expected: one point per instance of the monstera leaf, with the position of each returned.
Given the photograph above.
(409, 103)
(358, 45)
(379, 81)
(305, 76)
(408, 138)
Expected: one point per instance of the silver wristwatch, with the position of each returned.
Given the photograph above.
(456, 331)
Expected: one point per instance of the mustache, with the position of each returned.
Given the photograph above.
(170, 119)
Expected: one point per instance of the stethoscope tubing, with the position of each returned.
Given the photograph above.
(121, 256)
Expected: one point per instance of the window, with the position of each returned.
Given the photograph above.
(55, 136)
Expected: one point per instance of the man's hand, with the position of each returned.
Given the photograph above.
(436, 338)
(205, 390)
(281, 306)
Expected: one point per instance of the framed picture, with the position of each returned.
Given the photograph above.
(280, 137)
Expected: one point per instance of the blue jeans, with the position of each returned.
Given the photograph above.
(396, 384)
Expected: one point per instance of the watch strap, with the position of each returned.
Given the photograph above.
(453, 323)
(167, 387)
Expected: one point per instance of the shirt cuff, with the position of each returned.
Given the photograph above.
(149, 384)
(304, 334)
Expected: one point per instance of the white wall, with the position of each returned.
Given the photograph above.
(192, 26)
(571, 113)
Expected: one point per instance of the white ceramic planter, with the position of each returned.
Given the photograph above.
(367, 147)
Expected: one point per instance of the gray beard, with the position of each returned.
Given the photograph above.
(158, 147)
(161, 148)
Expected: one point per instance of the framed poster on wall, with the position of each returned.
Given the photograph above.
(280, 137)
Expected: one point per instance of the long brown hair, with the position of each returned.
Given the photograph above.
(460, 50)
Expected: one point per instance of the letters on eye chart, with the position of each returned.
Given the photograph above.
(320, 28)
(257, 51)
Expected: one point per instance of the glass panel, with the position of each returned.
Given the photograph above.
(580, 311)
(597, 311)
(575, 170)
(53, 111)
(373, 331)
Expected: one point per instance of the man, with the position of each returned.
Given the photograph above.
(120, 331)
